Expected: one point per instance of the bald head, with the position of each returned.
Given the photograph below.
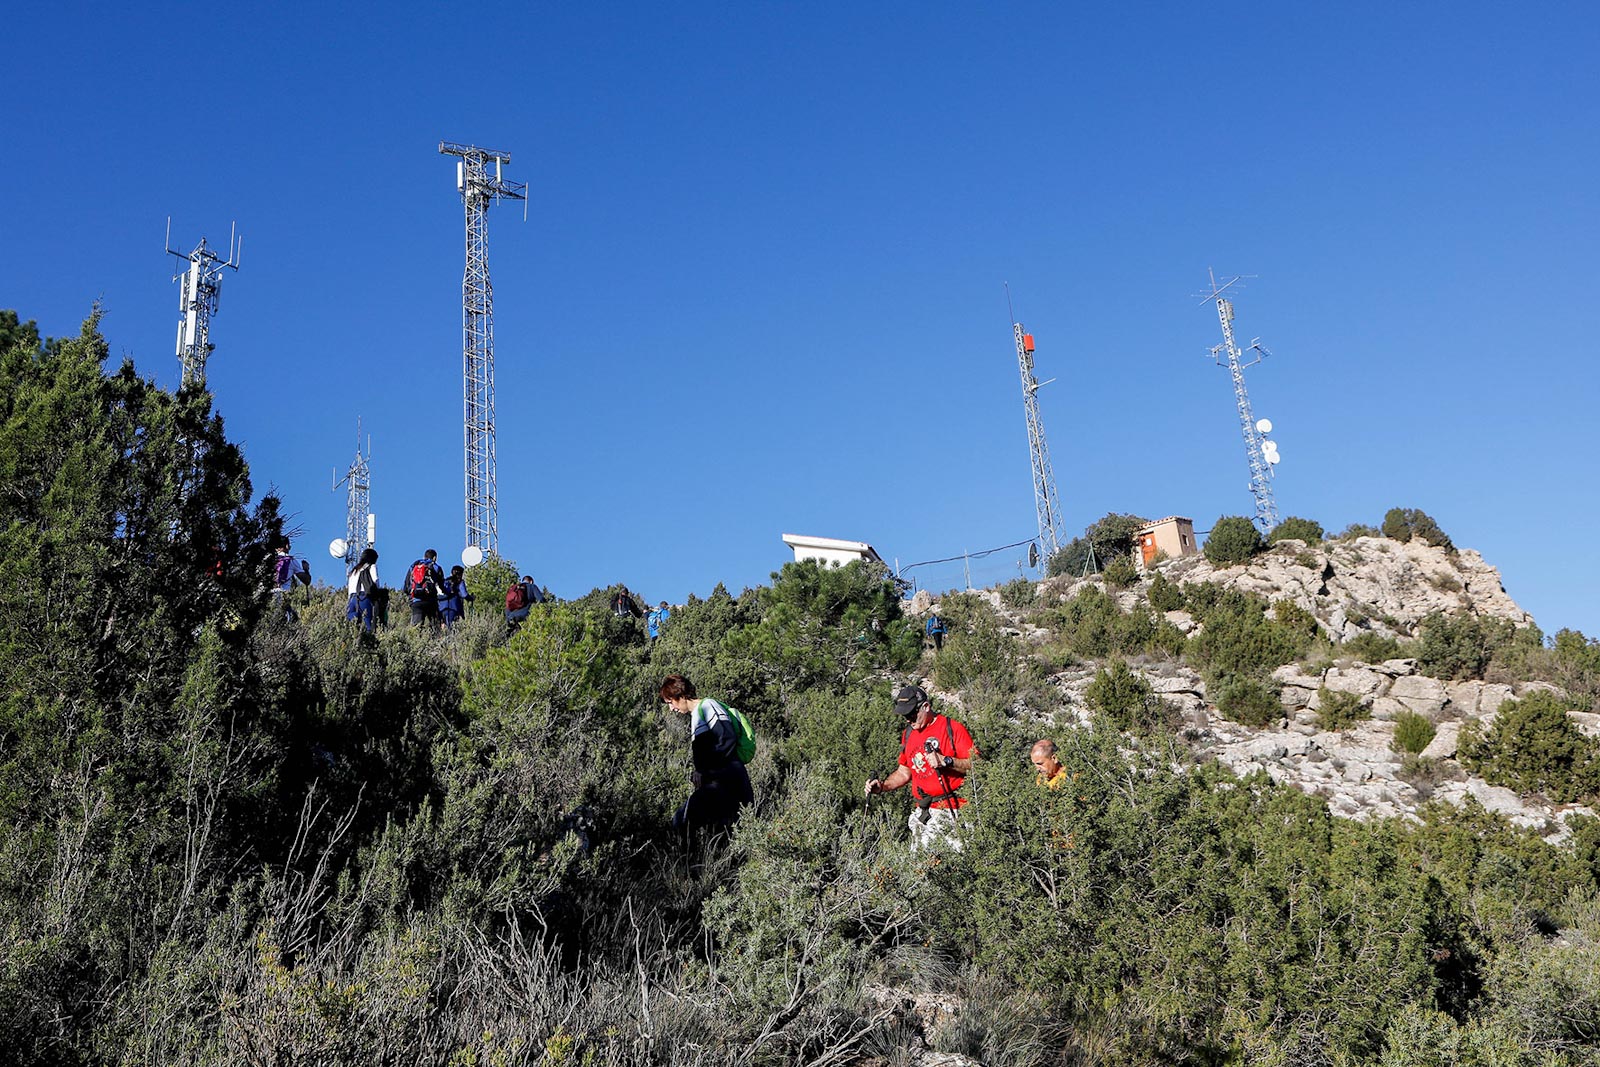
(1044, 759)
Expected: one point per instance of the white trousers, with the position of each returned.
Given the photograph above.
(939, 830)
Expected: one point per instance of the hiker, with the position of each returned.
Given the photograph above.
(656, 618)
(363, 585)
(721, 784)
(423, 582)
(1050, 774)
(936, 629)
(453, 597)
(623, 607)
(520, 599)
(936, 755)
(284, 576)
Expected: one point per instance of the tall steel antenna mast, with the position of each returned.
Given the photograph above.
(360, 525)
(478, 189)
(197, 301)
(1262, 453)
(1046, 501)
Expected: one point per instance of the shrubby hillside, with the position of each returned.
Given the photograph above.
(227, 838)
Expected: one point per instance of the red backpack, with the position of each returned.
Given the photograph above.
(421, 583)
(516, 598)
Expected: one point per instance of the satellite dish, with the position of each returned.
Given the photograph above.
(337, 548)
(1264, 426)
(1269, 446)
(1273, 457)
(1033, 554)
(471, 556)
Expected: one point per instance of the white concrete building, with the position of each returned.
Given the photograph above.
(829, 549)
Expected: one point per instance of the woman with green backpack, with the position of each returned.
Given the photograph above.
(720, 742)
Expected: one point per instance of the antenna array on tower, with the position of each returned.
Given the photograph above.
(197, 301)
(1045, 499)
(478, 190)
(1261, 453)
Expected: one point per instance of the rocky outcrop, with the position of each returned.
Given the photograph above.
(1370, 584)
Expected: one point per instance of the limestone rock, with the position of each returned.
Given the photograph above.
(1358, 680)
(1425, 696)
(1443, 745)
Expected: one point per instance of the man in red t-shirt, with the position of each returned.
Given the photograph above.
(936, 755)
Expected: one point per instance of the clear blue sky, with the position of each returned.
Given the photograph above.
(760, 285)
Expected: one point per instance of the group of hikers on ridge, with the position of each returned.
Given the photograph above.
(437, 600)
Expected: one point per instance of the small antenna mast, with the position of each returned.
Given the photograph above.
(358, 519)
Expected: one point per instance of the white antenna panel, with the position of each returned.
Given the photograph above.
(372, 529)
(461, 175)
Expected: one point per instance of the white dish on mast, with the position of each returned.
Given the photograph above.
(471, 556)
(337, 548)
(1264, 426)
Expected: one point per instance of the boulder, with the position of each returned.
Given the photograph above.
(1443, 745)
(1358, 680)
(1425, 696)
(1386, 709)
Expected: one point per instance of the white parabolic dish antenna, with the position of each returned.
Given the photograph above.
(1273, 457)
(471, 556)
(337, 548)
(1264, 426)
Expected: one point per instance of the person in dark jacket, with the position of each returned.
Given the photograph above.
(453, 596)
(424, 580)
(721, 783)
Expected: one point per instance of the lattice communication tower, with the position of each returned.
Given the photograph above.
(1046, 502)
(479, 188)
(360, 525)
(1261, 453)
(201, 283)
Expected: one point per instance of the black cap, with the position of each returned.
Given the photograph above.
(909, 699)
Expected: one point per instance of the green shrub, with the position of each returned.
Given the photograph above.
(1121, 695)
(1237, 637)
(1165, 595)
(1121, 573)
(1533, 747)
(1233, 539)
(1358, 529)
(1402, 524)
(1110, 537)
(1296, 618)
(976, 652)
(1201, 597)
(1307, 530)
(1460, 646)
(1249, 701)
(1019, 593)
(1092, 626)
(1370, 647)
(1412, 732)
(1338, 710)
